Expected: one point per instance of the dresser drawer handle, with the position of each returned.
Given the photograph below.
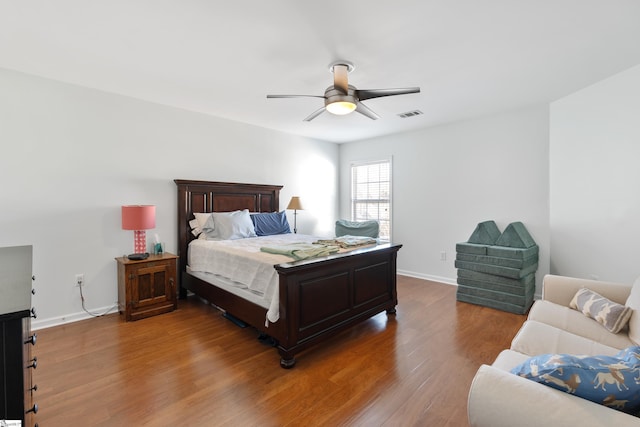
(33, 312)
(31, 340)
(34, 363)
(34, 409)
(34, 388)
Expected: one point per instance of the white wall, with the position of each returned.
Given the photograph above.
(447, 179)
(595, 177)
(72, 156)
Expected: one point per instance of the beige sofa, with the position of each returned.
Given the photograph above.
(499, 398)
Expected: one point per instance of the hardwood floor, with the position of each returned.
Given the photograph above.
(193, 367)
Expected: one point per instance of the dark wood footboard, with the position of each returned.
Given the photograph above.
(320, 299)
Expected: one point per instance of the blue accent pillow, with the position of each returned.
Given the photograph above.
(608, 380)
(268, 224)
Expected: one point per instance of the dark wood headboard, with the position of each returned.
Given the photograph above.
(208, 196)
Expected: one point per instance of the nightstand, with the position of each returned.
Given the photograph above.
(147, 287)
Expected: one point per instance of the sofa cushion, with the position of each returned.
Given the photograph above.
(634, 302)
(514, 273)
(471, 248)
(509, 359)
(608, 380)
(515, 253)
(516, 236)
(575, 322)
(611, 315)
(486, 233)
(539, 338)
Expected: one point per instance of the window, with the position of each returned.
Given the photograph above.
(371, 194)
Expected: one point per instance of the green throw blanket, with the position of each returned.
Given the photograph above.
(300, 251)
(348, 241)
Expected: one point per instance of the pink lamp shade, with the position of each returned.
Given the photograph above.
(139, 218)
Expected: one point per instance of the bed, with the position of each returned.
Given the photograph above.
(318, 298)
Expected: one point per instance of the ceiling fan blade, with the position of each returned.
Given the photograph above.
(364, 94)
(295, 96)
(314, 114)
(366, 111)
(340, 79)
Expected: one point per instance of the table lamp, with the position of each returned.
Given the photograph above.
(139, 218)
(295, 204)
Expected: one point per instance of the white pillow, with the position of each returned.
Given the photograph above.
(202, 218)
(195, 228)
(614, 317)
(634, 302)
(198, 224)
(229, 226)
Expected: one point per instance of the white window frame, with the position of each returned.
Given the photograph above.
(389, 201)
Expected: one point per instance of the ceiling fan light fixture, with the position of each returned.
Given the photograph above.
(341, 98)
(340, 108)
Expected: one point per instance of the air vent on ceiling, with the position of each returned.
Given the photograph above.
(410, 114)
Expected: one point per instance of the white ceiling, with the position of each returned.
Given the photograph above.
(469, 57)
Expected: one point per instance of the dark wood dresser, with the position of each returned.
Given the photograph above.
(16, 340)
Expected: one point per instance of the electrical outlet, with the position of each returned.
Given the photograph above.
(443, 256)
(79, 279)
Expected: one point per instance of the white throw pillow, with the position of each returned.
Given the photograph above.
(230, 226)
(202, 218)
(199, 223)
(633, 301)
(613, 316)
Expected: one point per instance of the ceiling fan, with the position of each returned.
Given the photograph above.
(342, 98)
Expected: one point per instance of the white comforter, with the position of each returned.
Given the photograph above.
(242, 261)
